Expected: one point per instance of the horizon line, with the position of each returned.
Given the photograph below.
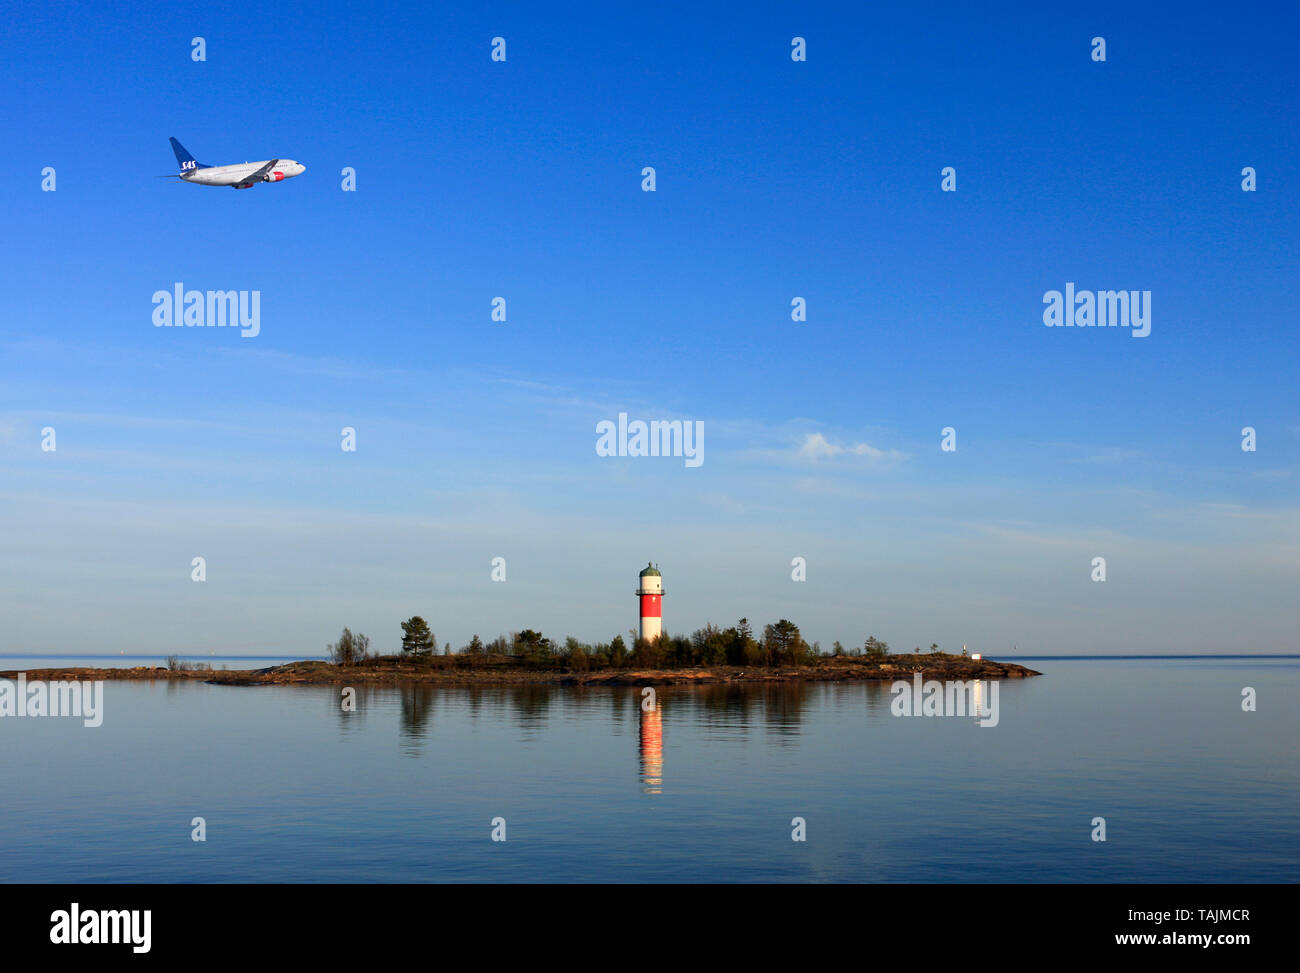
(1181, 655)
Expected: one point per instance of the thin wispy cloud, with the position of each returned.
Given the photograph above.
(816, 448)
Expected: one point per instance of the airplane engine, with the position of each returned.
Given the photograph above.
(273, 176)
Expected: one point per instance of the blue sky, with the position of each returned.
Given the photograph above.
(775, 179)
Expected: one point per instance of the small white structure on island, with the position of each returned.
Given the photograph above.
(976, 655)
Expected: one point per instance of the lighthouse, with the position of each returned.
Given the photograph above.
(651, 594)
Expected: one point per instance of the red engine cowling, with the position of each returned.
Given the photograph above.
(274, 176)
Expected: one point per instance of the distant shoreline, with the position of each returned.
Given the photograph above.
(1005, 659)
(434, 672)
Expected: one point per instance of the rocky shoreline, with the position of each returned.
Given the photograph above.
(389, 671)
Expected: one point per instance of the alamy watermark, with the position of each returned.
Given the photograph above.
(975, 697)
(654, 438)
(36, 698)
(75, 926)
(1099, 309)
(213, 309)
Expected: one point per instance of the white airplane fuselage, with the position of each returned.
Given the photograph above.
(237, 174)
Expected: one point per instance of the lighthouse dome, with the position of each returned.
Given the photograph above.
(650, 571)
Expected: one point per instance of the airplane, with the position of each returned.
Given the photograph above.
(236, 176)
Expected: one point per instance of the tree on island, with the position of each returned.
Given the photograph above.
(417, 639)
(783, 644)
(475, 646)
(649, 653)
(874, 648)
(709, 645)
(934, 647)
(679, 652)
(742, 650)
(576, 655)
(532, 647)
(617, 651)
(349, 649)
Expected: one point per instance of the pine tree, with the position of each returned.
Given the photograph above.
(417, 639)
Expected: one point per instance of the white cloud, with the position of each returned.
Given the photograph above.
(817, 447)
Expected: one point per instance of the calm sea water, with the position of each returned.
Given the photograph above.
(405, 788)
(17, 663)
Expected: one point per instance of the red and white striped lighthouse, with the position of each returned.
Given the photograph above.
(651, 594)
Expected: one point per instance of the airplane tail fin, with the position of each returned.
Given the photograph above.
(184, 159)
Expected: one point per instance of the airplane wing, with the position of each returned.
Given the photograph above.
(256, 176)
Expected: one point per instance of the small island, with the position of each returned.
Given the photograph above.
(710, 655)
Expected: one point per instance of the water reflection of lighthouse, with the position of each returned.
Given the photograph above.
(652, 748)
